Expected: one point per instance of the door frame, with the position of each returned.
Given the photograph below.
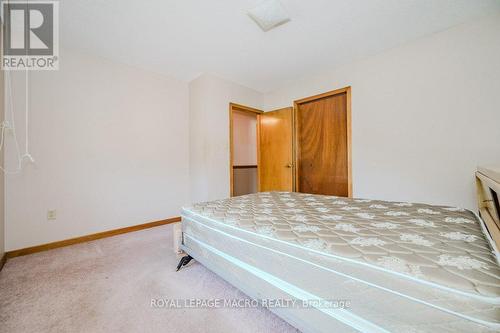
(296, 104)
(241, 108)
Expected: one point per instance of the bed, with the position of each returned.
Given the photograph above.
(352, 264)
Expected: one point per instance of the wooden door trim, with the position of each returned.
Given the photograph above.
(239, 107)
(242, 108)
(296, 104)
(349, 143)
(323, 95)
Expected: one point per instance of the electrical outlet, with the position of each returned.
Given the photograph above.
(6, 126)
(51, 214)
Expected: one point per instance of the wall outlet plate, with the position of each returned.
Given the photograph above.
(51, 214)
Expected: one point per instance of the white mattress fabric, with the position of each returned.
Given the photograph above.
(402, 265)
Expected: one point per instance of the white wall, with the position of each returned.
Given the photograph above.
(424, 115)
(111, 150)
(116, 146)
(209, 98)
(244, 138)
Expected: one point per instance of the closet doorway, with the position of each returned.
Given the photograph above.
(323, 143)
(244, 149)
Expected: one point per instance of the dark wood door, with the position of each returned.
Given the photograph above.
(322, 145)
(276, 151)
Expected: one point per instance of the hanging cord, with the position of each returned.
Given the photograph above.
(5, 125)
(26, 119)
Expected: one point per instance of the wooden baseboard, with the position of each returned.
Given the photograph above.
(87, 238)
(3, 260)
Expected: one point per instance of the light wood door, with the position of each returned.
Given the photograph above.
(276, 150)
(322, 139)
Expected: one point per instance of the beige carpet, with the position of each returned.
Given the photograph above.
(107, 286)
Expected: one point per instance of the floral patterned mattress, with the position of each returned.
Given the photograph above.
(443, 246)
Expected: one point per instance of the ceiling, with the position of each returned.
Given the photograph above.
(184, 38)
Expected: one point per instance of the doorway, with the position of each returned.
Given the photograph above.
(306, 148)
(244, 149)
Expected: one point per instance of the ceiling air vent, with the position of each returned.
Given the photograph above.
(269, 14)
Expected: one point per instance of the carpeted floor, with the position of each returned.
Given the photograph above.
(107, 286)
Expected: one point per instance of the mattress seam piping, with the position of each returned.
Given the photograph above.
(491, 300)
(331, 313)
(478, 321)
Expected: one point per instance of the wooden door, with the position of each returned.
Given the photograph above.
(323, 144)
(276, 150)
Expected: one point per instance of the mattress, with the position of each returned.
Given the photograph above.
(400, 266)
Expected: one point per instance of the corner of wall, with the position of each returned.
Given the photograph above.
(209, 98)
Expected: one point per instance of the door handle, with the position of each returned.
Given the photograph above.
(289, 165)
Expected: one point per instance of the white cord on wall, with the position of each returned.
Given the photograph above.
(26, 142)
(5, 126)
